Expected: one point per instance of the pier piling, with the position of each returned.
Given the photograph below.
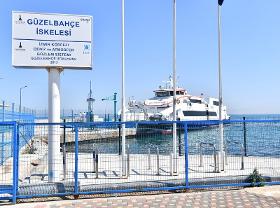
(245, 137)
(171, 164)
(128, 161)
(64, 150)
(96, 164)
(157, 161)
(149, 159)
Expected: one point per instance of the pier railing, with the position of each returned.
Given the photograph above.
(91, 159)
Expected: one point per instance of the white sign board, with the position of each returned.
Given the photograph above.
(51, 40)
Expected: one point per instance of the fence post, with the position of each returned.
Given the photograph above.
(245, 137)
(76, 188)
(15, 161)
(64, 150)
(186, 154)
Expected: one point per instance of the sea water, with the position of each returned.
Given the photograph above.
(260, 139)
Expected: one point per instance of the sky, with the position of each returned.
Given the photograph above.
(250, 53)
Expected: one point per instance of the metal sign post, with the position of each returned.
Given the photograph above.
(54, 156)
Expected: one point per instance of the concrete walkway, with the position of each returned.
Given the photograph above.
(244, 198)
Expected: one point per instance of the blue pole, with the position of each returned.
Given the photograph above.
(186, 154)
(76, 160)
(15, 162)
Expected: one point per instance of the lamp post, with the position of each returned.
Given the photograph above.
(221, 126)
(123, 91)
(20, 94)
(114, 99)
(174, 90)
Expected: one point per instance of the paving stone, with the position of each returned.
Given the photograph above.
(210, 199)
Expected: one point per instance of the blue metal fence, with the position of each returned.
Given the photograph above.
(9, 113)
(91, 160)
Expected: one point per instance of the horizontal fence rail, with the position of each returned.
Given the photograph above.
(91, 159)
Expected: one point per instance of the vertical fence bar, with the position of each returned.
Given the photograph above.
(15, 161)
(245, 136)
(186, 154)
(76, 160)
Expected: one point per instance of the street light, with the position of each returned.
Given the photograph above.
(123, 89)
(221, 126)
(174, 90)
(20, 89)
(114, 99)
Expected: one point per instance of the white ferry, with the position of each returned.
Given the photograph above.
(188, 107)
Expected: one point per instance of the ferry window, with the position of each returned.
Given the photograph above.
(199, 113)
(162, 94)
(195, 101)
(216, 103)
(171, 93)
